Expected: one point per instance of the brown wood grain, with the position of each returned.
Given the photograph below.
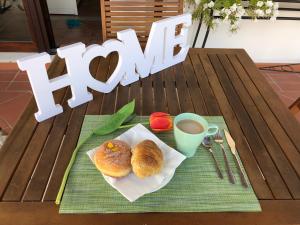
(109, 99)
(70, 141)
(40, 176)
(160, 103)
(171, 91)
(283, 139)
(135, 94)
(283, 165)
(134, 13)
(208, 96)
(147, 96)
(274, 212)
(286, 119)
(12, 150)
(261, 187)
(193, 86)
(184, 97)
(267, 166)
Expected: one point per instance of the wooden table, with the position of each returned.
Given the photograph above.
(209, 82)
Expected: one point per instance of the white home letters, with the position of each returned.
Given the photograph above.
(133, 64)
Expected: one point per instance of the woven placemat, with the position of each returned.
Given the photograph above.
(195, 186)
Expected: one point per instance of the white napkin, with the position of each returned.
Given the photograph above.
(132, 187)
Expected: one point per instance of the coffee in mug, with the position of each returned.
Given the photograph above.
(190, 126)
(190, 130)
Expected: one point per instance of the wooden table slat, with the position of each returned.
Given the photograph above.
(208, 96)
(184, 96)
(70, 140)
(40, 176)
(171, 91)
(283, 165)
(281, 136)
(46, 213)
(147, 95)
(109, 99)
(160, 102)
(287, 120)
(261, 187)
(266, 164)
(20, 178)
(100, 69)
(193, 86)
(122, 96)
(135, 93)
(14, 147)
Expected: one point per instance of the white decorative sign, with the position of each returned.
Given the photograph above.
(133, 64)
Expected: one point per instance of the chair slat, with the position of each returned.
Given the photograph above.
(138, 15)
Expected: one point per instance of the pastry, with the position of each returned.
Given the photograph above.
(147, 159)
(112, 158)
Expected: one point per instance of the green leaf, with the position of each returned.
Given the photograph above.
(129, 119)
(113, 123)
(116, 120)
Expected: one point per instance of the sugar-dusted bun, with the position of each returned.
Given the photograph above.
(112, 158)
(147, 159)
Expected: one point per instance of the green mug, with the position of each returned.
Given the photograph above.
(188, 143)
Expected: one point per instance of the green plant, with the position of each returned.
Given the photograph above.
(214, 12)
(263, 9)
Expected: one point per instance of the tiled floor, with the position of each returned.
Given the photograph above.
(285, 84)
(15, 91)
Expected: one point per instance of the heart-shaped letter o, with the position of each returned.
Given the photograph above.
(104, 50)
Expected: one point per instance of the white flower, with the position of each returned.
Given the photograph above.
(276, 5)
(227, 12)
(273, 18)
(205, 6)
(276, 13)
(197, 2)
(216, 21)
(255, 20)
(233, 8)
(268, 11)
(241, 10)
(260, 3)
(211, 4)
(237, 22)
(226, 19)
(269, 3)
(217, 12)
(259, 12)
(238, 15)
(233, 26)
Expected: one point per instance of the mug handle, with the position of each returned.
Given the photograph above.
(212, 130)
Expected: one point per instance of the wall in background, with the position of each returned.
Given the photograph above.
(63, 6)
(265, 41)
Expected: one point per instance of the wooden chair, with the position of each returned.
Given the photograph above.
(119, 15)
(295, 107)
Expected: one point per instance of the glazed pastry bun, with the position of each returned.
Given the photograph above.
(112, 158)
(147, 159)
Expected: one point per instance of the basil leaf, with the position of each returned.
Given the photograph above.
(116, 119)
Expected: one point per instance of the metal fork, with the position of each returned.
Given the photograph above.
(219, 139)
(208, 144)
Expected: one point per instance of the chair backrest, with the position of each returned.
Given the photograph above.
(119, 15)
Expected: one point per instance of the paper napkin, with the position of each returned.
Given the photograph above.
(132, 187)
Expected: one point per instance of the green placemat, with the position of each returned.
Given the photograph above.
(195, 186)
